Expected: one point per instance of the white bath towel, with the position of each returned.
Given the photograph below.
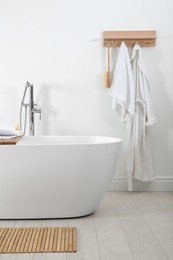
(122, 87)
(123, 95)
(139, 163)
(7, 129)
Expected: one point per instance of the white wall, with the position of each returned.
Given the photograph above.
(57, 46)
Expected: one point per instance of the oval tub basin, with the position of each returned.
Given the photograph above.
(55, 176)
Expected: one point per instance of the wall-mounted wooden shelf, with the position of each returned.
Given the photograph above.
(115, 38)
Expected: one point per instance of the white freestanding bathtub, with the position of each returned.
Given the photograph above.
(55, 176)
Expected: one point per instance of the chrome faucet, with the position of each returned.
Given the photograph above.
(32, 108)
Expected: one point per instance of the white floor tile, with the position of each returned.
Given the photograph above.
(158, 220)
(54, 223)
(125, 226)
(128, 212)
(138, 233)
(116, 256)
(111, 237)
(165, 239)
(85, 224)
(16, 257)
(93, 255)
(105, 208)
(165, 200)
(143, 244)
(123, 202)
(146, 202)
(86, 242)
(50, 256)
(87, 247)
(28, 223)
(169, 213)
(152, 212)
(7, 223)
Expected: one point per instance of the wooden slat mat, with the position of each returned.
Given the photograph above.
(38, 240)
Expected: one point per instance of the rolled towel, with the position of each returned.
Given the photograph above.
(8, 129)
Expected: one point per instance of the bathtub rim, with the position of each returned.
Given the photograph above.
(39, 140)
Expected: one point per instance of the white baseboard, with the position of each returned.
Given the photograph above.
(161, 183)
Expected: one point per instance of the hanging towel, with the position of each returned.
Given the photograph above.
(122, 89)
(139, 161)
(123, 99)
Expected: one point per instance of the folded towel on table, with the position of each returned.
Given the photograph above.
(7, 129)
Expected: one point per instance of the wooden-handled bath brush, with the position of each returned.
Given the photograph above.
(107, 73)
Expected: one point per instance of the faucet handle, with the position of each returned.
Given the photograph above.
(37, 110)
(40, 114)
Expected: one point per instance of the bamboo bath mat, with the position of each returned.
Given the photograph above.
(37, 240)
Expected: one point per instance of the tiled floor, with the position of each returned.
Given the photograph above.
(125, 226)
